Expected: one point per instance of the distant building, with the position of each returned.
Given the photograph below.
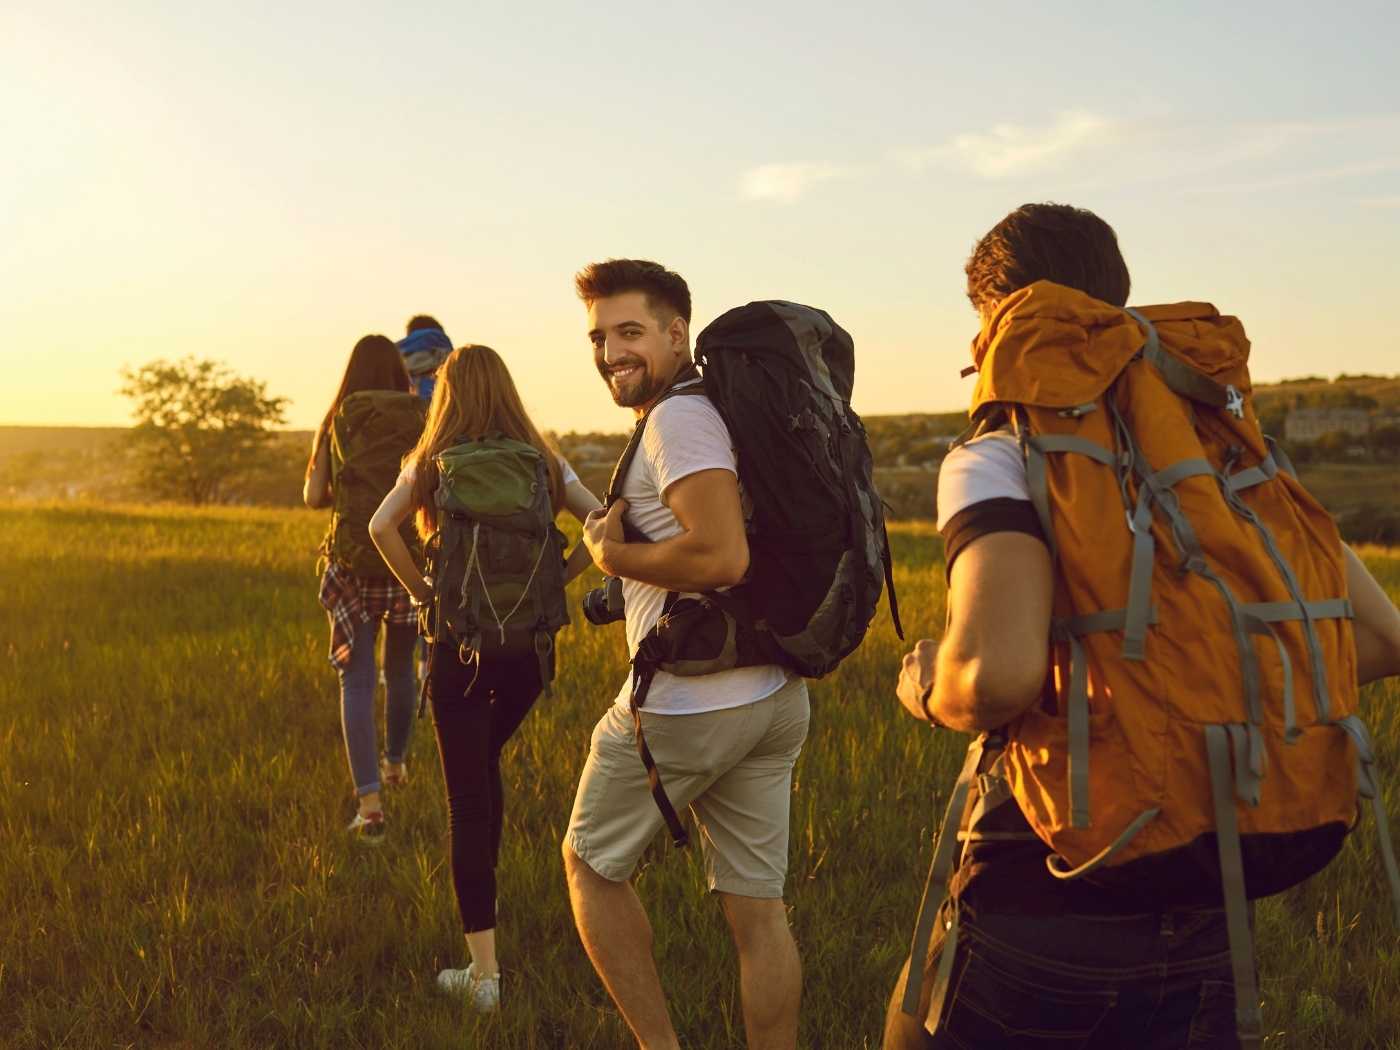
(1309, 424)
(590, 452)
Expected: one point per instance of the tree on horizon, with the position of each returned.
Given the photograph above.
(199, 426)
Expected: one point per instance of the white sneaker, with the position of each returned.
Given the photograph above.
(483, 993)
(368, 830)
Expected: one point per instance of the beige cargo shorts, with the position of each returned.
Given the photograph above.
(733, 768)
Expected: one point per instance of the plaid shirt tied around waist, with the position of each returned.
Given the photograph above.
(351, 601)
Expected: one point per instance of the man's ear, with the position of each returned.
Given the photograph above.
(679, 332)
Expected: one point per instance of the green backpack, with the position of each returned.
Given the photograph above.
(496, 559)
(370, 434)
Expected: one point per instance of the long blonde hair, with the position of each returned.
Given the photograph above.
(474, 397)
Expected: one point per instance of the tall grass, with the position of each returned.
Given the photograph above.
(176, 873)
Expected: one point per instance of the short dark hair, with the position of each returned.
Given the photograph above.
(662, 287)
(1048, 242)
(422, 322)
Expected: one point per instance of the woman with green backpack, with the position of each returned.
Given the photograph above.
(372, 422)
(484, 487)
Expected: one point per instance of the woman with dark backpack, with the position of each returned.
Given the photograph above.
(372, 421)
(480, 690)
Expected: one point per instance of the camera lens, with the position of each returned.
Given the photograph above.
(603, 605)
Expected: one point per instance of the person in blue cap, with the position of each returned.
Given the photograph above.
(424, 348)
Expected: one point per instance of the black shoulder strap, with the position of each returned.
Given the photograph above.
(624, 463)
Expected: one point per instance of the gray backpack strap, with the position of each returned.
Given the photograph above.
(1317, 665)
(1248, 1020)
(1370, 789)
(935, 887)
(1182, 378)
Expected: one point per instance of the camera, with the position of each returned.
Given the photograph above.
(603, 605)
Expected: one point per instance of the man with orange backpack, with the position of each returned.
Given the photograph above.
(1189, 738)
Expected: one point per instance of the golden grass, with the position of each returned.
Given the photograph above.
(176, 873)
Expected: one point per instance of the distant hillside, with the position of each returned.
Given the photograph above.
(911, 439)
(1351, 472)
(1381, 392)
(1378, 396)
(94, 463)
(60, 441)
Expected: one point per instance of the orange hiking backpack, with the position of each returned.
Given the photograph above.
(1205, 697)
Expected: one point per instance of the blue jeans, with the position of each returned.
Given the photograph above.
(358, 684)
(1151, 982)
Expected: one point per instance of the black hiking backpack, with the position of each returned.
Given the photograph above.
(780, 375)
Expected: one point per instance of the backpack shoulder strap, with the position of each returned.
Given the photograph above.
(624, 463)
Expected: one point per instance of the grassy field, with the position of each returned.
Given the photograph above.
(176, 874)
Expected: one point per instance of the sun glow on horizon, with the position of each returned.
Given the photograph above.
(189, 180)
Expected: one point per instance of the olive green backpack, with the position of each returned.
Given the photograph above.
(371, 432)
(496, 559)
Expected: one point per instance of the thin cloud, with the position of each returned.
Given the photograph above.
(785, 183)
(1094, 151)
(1081, 150)
(1008, 150)
(1303, 178)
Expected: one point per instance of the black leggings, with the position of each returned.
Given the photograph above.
(473, 721)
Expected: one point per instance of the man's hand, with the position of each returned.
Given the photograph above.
(916, 679)
(601, 529)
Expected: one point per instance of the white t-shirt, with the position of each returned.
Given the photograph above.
(988, 467)
(684, 436)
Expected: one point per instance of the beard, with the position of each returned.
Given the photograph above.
(634, 390)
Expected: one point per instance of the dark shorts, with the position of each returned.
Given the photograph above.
(1150, 982)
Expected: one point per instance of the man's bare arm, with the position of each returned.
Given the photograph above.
(1377, 623)
(992, 662)
(712, 549)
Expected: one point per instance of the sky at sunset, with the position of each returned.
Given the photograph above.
(264, 183)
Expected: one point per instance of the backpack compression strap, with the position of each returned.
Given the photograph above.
(1182, 378)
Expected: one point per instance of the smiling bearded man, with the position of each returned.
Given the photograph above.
(726, 741)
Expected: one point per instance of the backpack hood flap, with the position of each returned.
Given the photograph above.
(494, 478)
(1049, 346)
(1209, 341)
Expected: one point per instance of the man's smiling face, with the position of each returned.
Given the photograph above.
(636, 352)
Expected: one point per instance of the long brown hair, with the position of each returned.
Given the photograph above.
(375, 364)
(474, 397)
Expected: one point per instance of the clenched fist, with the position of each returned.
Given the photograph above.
(601, 529)
(916, 679)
